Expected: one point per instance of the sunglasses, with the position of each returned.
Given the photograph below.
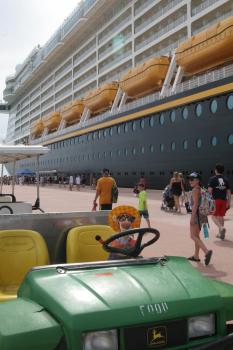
(126, 217)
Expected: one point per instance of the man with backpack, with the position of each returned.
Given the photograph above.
(106, 190)
(219, 187)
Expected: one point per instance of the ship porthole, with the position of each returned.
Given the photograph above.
(214, 141)
(142, 124)
(152, 122)
(230, 102)
(134, 126)
(199, 143)
(161, 119)
(214, 106)
(198, 110)
(173, 146)
(230, 139)
(185, 144)
(173, 116)
(185, 113)
(151, 148)
(161, 147)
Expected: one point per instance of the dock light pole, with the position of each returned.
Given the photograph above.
(1, 179)
(13, 178)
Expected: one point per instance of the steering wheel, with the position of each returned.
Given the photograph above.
(135, 250)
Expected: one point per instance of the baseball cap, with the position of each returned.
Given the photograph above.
(194, 175)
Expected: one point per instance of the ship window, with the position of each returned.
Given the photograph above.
(99, 155)
(199, 143)
(126, 152)
(161, 119)
(198, 110)
(134, 151)
(152, 148)
(142, 149)
(134, 126)
(161, 147)
(152, 122)
(185, 113)
(185, 144)
(119, 129)
(119, 152)
(99, 134)
(104, 154)
(214, 141)
(173, 146)
(105, 132)
(142, 123)
(110, 131)
(214, 106)
(126, 127)
(173, 116)
(110, 154)
(230, 102)
(230, 139)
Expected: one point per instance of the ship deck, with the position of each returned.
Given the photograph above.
(174, 228)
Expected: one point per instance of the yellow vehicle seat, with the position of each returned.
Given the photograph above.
(81, 245)
(20, 250)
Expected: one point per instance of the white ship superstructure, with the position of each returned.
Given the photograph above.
(99, 41)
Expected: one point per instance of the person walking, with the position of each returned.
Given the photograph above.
(176, 188)
(104, 189)
(142, 204)
(219, 187)
(71, 182)
(78, 182)
(197, 220)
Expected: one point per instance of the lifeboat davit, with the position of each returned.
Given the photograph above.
(37, 128)
(146, 77)
(72, 112)
(52, 121)
(102, 98)
(207, 49)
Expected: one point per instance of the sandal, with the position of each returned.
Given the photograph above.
(208, 257)
(192, 258)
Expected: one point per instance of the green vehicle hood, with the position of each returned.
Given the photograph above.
(101, 298)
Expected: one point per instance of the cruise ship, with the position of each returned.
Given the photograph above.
(142, 87)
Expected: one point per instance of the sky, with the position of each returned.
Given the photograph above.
(25, 24)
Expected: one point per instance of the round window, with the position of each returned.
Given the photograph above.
(214, 106)
(152, 148)
(105, 132)
(110, 131)
(142, 123)
(134, 126)
(119, 129)
(199, 143)
(161, 119)
(185, 113)
(185, 144)
(134, 151)
(119, 152)
(142, 149)
(126, 152)
(214, 141)
(230, 102)
(110, 154)
(173, 146)
(152, 121)
(126, 127)
(198, 110)
(173, 116)
(230, 139)
(161, 147)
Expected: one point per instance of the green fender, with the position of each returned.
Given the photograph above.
(225, 291)
(25, 325)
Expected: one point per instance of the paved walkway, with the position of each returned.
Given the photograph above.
(174, 228)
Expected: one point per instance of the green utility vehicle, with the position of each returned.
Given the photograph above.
(128, 304)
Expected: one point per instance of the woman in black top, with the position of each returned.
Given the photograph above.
(177, 188)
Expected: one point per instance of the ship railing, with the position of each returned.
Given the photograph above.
(200, 80)
(203, 6)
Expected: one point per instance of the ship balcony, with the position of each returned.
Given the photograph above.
(204, 5)
(115, 29)
(8, 94)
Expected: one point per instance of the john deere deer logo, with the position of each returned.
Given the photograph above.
(156, 336)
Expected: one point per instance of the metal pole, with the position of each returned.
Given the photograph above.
(1, 180)
(37, 179)
(13, 178)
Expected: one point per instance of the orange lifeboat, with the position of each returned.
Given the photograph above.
(37, 128)
(72, 112)
(52, 121)
(146, 77)
(102, 98)
(207, 49)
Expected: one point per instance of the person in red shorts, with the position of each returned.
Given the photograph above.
(220, 189)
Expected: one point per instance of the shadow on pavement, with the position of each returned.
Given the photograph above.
(210, 271)
(226, 243)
